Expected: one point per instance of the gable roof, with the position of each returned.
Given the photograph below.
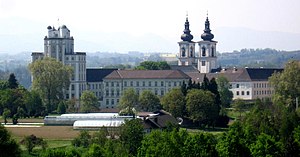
(97, 75)
(147, 74)
(258, 74)
(237, 74)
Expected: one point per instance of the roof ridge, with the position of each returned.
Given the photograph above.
(119, 74)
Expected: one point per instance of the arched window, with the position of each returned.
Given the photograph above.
(212, 51)
(191, 51)
(203, 51)
(183, 52)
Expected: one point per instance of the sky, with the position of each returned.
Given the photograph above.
(139, 17)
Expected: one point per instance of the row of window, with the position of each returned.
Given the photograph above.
(241, 85)
(95, 86)
(143, 83)
(111, 102)
(263, 92)
(261, 85)
(112, 93)
(117, 93)
(242, 93)
(80, 58)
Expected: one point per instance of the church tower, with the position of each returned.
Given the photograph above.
(186, 54)
(58, 43)
(207, 58)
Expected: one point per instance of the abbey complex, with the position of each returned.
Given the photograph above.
(108, 84)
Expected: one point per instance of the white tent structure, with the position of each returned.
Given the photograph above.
(96, 124)
(69, 119)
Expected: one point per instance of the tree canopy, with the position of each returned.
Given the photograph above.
(50, 78)
(89, 101)
(286, 85)
(225, 94)
(129, 100)
(149, 102)
(201, 106)
(8, 146)
(174, 102)
(151, 65)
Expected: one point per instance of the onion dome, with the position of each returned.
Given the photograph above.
(49, 27)
(207, 35)
(187, 36)
(64, 26)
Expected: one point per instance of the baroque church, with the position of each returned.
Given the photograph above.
(206, 59)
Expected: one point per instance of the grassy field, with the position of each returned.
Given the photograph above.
(45, 132)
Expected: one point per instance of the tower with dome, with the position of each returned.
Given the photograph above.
(59, 44)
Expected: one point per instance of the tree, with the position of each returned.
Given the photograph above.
(3, 85)
(232, 143)
(95, 150)
(205, 83)
(200, 144)
(131, 134)
(32, 141)
(61, 108)
(266, 146)
(286, 85)
(34, 104)
(71, 105)
(50, 78)
(12, 81)
(200, 106)
(183, 88)
(100, 136)
(163, 65)
(151, 65)
(62, 152)
(239, 105)
(5, 115)
(225, 94)
(174, 102)
(89, 101)
(83, 140)
(129, 100)
(8, 146)
(162, 143)
(149, 102)
(12, 99)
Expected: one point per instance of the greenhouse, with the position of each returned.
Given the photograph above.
(111, 125)
(69, 119)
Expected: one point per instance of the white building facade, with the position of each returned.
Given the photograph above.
(157, 81)
(59, 44)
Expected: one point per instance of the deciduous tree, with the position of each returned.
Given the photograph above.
(50, 78)
(131, 135)
(286, 85)
(129, 100)
(149, 102)
(174, 102)
(225, 94)
(200, 106)
(89, 101)
(8, 146)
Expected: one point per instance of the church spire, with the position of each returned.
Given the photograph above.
(187, 36)
(207, 35)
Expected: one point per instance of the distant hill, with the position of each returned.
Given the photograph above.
(16, 37)
(257, 58)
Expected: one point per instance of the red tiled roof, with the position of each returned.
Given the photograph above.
(147, 74)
